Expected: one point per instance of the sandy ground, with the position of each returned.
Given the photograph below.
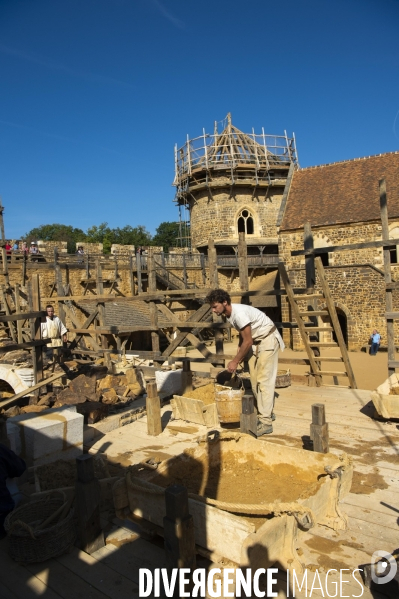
(369, 371)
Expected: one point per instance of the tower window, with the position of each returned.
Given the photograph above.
(245, 222)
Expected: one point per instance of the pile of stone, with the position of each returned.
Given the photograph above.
(91, 389)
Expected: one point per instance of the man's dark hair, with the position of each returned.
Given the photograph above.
(218, 295)
(49, 306)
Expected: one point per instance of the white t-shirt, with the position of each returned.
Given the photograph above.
(53, 328)
(243, 315)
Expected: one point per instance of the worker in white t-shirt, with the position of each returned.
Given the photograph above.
(260, 341)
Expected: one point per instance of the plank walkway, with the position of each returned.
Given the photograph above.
(372, 506)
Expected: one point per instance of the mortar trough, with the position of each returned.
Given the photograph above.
(294, 489)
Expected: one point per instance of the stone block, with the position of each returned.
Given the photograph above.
(46, 437)
(169, 382)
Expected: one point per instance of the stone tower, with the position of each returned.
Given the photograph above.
(234, 181)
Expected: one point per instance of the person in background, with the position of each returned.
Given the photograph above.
(53, 328)
(15, 247)
(11, 466)
(375, 338)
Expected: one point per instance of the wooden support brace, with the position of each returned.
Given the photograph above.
(319, 429)
(153, 408)
(178, 525)
(88, 497)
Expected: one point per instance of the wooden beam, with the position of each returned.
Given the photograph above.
(22, 315)
(87, 505)
(36, 331)
(27, 345)
(340, 248)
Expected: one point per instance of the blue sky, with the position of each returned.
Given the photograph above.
(95, 93)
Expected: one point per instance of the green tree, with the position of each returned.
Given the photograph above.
(101, 234)
(166, 235)
(57, 232)
(133, 235)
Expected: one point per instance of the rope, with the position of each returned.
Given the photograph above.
(22, 524)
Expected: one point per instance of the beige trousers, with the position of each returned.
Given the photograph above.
(263, 373)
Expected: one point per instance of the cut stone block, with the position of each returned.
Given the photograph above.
(169, 382)
(55, 434)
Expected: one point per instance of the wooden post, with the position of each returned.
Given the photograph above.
(309, 260)
(319, 429)
(248, 418)
(138, 267)
(184, 271)
(202, 262)
(178, 526)
(187, 378)
(23, 278)
(387, 276)
(3, 249)
(88, 497)
(132, 287)
(101, 312)
(36, 333)
(212, 265)
(18, 310)
(243, 263)
(153, 407)
(154, 323)
(60, 292)
(152, 277)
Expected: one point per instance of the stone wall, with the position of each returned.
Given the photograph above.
(216, 215)
(90, 248)
(117, 248)
(48, 247)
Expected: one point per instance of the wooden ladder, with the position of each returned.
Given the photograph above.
(306, 329)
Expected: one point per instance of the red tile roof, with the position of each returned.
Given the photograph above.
(342, 192)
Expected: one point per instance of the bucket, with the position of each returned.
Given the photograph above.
(228, 403)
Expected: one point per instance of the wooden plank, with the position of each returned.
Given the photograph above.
(36, 332)
(352, 246)
(26, 345)
(392, 315)
(64, 582)
(22, 316)
(20, 580)
(153, 408)
(11, 400)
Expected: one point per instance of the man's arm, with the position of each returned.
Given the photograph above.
(244, 346)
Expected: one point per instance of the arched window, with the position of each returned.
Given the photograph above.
(245, 222)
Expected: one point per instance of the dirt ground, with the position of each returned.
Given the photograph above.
(369, 371)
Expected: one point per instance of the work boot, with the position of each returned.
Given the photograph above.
(263, 429)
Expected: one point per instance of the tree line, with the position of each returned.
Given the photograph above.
(166, 235)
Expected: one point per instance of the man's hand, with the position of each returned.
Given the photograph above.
(232, 366)
(65, 338)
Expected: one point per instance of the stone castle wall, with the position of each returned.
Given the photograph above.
(216, 216)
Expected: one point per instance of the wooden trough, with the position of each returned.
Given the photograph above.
(293, 489)
(385, 399)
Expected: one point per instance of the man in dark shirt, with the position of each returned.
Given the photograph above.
(10, 466)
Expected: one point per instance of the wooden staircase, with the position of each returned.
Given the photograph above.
(309, 330)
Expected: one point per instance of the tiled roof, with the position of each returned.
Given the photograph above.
(342, 192)
(125, 314)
